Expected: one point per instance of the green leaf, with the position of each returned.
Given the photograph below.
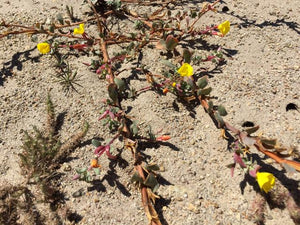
(219, 119)
(187, 55)
(167, 63)
(171, 43)
(120, 84)
(80, 171)
(151, 181)
(136, 178)
(97, 171)
(134, 129)
(202, 82)
(252, 130)
(210, 107)
(112, 92)
(222, 111)
(51, 28)
(155, 188)
(152, 167)
(205, 91)
(96, 143)
(60, 18)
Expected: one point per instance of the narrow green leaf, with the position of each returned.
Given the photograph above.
(222, 111)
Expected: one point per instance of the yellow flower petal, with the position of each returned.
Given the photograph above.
(266, 181)
(79, 30)
(224, 27)
(186, 70)
(43, 48)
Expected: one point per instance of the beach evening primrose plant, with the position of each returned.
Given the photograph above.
(224, 27)
(43, 47)
(266, 181)
(186, 70)
(79, 30)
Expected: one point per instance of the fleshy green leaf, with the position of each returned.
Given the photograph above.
(120, 83)
(219, 119)
(134, 129)
(60, 18)
(97, 171)
(202, 82)
(167, 63)
(112, 92)
(222, 111)
(205, 91)
(187, 55)
(210, 106)
(96, 143)
(171, 43)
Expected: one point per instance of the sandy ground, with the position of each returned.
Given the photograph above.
(260, 77)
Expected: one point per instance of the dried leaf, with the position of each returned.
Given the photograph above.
(269, 143)
(161, 45)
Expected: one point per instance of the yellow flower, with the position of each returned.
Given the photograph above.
(224, 27)
(174, 84)
(79, 30)
(43, 48)
(266, 181)
(186, 70)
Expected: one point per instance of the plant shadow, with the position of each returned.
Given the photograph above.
(16, 62)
